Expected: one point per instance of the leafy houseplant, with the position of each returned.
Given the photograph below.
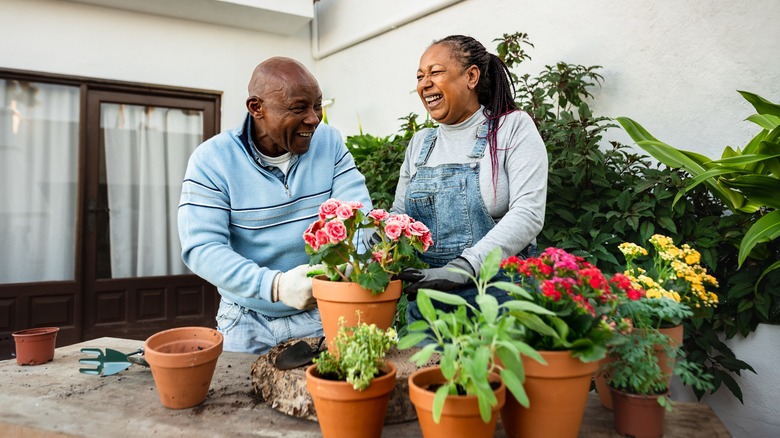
(331, 241)
(637, 376)
(572, 338)
(475, 343)
(580, 298)
(353, 375)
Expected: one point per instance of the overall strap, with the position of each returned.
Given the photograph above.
(481, 143)
(425, 151)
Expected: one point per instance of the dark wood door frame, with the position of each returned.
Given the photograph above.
(187, 299)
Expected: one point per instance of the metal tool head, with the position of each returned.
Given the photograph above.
(298, 354)
(108, 363)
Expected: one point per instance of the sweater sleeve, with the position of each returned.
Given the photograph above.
(203, 219)
(526, 169)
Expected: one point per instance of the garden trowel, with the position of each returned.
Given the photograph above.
(298, 355)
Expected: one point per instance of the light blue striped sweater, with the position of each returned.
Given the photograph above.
(240, 225)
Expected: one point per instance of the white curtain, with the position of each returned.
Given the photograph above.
(146, 152)
(38, 173)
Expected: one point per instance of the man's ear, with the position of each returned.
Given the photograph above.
(255, 105)
(473, 74)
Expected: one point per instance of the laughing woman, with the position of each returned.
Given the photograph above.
(479, 180)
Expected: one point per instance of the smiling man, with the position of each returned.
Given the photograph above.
(250, 193)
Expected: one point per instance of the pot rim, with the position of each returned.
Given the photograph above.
(165, 360)
(35, 331)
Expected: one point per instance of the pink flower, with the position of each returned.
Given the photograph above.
(393, 230)
(344, 212)
(322, 238)
(427, 241)
(336, 231)
(328, 208)
(418, 229)
(378, 214)
(355, 205)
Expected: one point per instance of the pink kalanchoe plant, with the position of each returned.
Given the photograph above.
(583, 299)
(331, 240)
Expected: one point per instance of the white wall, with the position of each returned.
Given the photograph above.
(673, 66)
(84, 40)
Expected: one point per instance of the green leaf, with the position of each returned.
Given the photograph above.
(491, 264)
(438, 401)
(512, 288)
(515, 386)
(411, 340)
(443, 297)
(423, 355)
(667, 223)
(764, 230)
(526, 306)
(761, 105)
(425, 306)
(488, 305)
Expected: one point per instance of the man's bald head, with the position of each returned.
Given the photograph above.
(275, 73)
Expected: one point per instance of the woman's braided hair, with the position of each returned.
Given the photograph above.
(494, 89)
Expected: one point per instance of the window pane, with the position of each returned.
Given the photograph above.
(38, 165)
(144, 155)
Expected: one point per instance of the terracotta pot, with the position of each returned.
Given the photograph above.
(182, 362)
(35, 346)
(336, 299)
(460, 416)
(343, 412)
(600, 379)
(557, 393)
(638, 416)
(667, 365)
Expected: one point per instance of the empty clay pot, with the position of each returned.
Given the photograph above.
(35, 346)
(182, 362)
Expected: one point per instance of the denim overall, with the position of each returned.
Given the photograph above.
(447, 199)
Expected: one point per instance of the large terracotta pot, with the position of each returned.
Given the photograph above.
(557, 394)
(182, 362)
(638, 416)
(343, 412)
(460, 416)
(336, 299)
(35, 346)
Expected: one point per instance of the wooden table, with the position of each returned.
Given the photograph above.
(55, 400)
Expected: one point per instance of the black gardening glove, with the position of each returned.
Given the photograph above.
(441, 279)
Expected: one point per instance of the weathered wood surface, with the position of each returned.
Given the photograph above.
(286, 391)
(55, 400)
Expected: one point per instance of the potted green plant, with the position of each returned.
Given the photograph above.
(351, 385)
(572, 337)
(355, 281)
(480, 348)
(637, 373)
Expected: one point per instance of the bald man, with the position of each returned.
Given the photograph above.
(248, 196)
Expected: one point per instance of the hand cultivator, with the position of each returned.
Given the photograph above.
(111, 362)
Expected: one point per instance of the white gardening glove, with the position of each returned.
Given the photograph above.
(294, 288)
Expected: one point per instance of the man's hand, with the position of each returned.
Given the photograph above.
(294, 288)
(441, 279)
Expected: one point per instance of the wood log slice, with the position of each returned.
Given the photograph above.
(286, 391)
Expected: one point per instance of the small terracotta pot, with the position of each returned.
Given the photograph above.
(667, 365)
(557, 395)
(638, 416)
(35, 346)
(343, 412)
(336, 299)
(182, 362)
(460, 416)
